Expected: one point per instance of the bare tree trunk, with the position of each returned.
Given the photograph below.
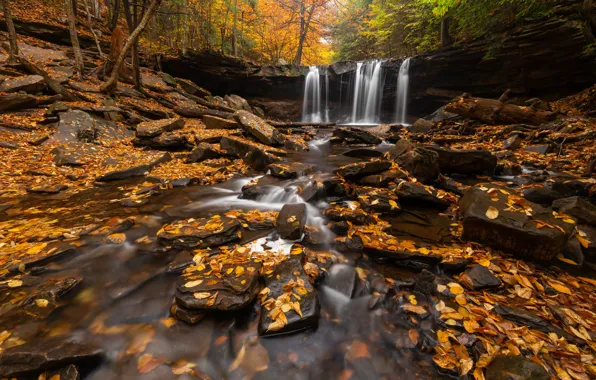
(13, 52)
(234, 31)
(446, 39)
(112, 82)
(131, 21)
(304, 26)
(115, 14)
(91, 28)
(72, 26)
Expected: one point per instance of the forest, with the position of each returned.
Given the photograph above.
(300, 189)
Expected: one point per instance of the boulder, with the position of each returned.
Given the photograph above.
(419, 195)
(166, 141)
(379, 200)
(237, 103)
(291, 220)
(467, 162)
(362, 169)
(344, 213)
(259, 159)
(157, 127)
(200, 233)
(419, 162)
(14, 102)
(215, 122)
(240, 147)
(191, 88)
(291, 170)
(134, 171)
(490, 220)
(421, 126)
(384, 178)
(77, 125)
(352, 135)
(577, 207)
(296, 144)
(512, 143)
(479, 277)
(204, 151)
(259, 129)
(510, 367)
(302, 312)
(187, 315)
(31, 84)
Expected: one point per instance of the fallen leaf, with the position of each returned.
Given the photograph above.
(492, 213)
(14, 283)
(40, 302)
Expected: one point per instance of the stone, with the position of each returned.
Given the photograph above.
(362, 169)
(343, 212)
(512, 231)
(166, 141)
(215, 122)
(419, 195)
(168, 79)
(204, 151)
(192, 317)
(296, 144)
(234, 286)
(260, 160)
(200, 233)
(421, 126)
(64, 157)
(421, 163)
(479, 277)
(509, 367)
(44, 353)
(577, 207)
(289, 271)
(352, 135)
(513, 142)
(15, 102)
(77, 125)
(259, 129)
(291, 220)
(526, 318)
(466, 162)
(384, 178)
(343, 278)
(31, 84)
(47, 189)
(379, 200)
(291, 170)
(237, 103)
(540, 149)
(9, 145)
(157, 127)
(363, 153)
(312, 191)
(423, 223)
(70, 372)
(240, 147)
(133, 171)
(191, 88)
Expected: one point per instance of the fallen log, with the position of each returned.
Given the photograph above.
(298, 124)
(496, 112)
(52, 84)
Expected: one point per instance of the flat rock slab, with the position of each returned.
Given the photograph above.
(466, 162)
(13, 102)
(215, 122)
(291, 170)
(486, 220)
(47, 353)
(173, 141)
(133, 171)
(362, 169)
(291, 220)
(351, 135)
(379, 200)
(47, 189)
(240, 147)
(296, 144)
(79, 126)
(157, 127)
(259, 159)
(420, 195)
(419, 162)
(577, 207)
(31, 84)
(232, 286)
(259, 129)
(384, 178)
(66, 156)
(204, 151)
(346, 212)
(200, 233)
(289, 303)
(533, 321)
(479, 277)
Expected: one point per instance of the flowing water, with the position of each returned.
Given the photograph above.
(403, 84)
(368, 92)
(311, 106)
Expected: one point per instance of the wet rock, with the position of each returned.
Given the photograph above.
(204, 151)
(258, 128)
(512, 231)
(47, 189)
(479, 277)
(134, 171)
(419, 195)
(231, 287)
(300, 312)
(48, 353)
(291, 170)
(14, 102)
(259, 159)
(296, 144)
(509, 367)
(70, 372)
(200, 233)
(64, 157)
(383, 179)
(347, 212)
(421, 126)
(378, 200)
(540, 149)
(351, 135)
(312, 191)
(512, 143)
(362, 169)
(424, 283)
(577, 207)
(467, 162)
(31, 84)
(335, 187)
(343, 278)
(339, 228)
(421, 163)
(527, 318)
(314, 236)
(214, 122)
(189, 316)
(291, 220)
(425, 224)
(363, 153)
(157, 127)
(181, 261)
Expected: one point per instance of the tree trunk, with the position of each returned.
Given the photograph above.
(589, 14)
(52, 84)
(115, 49)
(132, 21)
(115, 14)
(495, 112)
(91, 28)
(13, 52)
(72, 26)
(234, 30)
(298, 57)
(111, 84)
(446, 39)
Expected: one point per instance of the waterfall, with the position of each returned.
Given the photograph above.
(368, 92)
(327, 96)
(311, 107)
(403, 82)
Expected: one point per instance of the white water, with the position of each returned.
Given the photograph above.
(403, 84)
(311, 106)
(368, 92)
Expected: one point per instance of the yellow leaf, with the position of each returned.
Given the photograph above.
(455, 288)
(36, 248)
(147, 363)
(414, 309)
(478, 374)
(492, 213)
(40, 302)
(461, 299)
(414, 336)
(182, 366)
(562, 258)
(471, 326)
(14, 283)
(202, 295)
(393, 204)
(583, 241)
(560, 287)
(168, 322)
(192, 284)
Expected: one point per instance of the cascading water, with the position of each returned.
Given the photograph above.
(327, 96)
(403, 83)
(368, 91)
(311, 106)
